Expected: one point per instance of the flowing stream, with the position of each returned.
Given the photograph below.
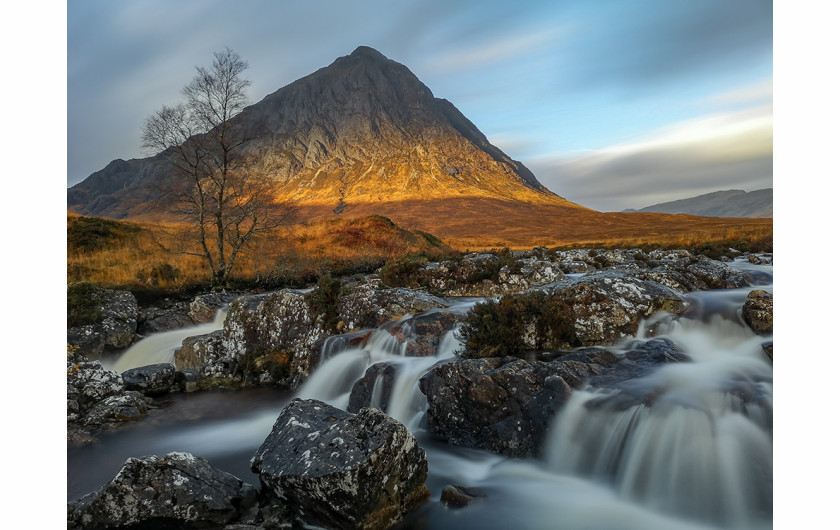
(699, 457)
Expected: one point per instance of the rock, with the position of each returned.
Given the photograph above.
(608, 305)
(204, 307)
(342, 470)
(368, 305)
(758, 312)
(421, 334)
(177, 491)
(362, 394)
(459, 496)
(125, 407)
(504, 405)
(196, 352)
(156, 319)
(151, 380)
(187, 379)
(507, 405)
(115, 327)
(96, 397)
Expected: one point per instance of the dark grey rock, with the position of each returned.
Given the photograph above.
(177, 491)
(114, 330)
(151, 380)
(342, 470)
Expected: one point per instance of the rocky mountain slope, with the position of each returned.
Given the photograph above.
(729, 203)
(361, 130)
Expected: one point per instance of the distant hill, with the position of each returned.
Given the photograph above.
(729, 203)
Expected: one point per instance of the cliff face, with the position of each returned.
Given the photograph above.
(362, 130)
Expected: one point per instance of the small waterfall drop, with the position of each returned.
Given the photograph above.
(160, 347)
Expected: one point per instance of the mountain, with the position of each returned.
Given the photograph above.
(729, 203)
(362, 131)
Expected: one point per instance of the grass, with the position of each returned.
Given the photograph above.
(130, 255)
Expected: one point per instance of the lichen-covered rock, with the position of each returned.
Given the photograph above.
(608, 305)
(177, 491)
(172, 316)
(114, 329)
(342, 470)
(486, 275)
(151, 380)
(196, 352)
(368, 305)
(758, 312)
(204, 307)
(96, 397)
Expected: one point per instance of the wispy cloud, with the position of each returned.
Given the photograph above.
(497, 50)
(732, 150)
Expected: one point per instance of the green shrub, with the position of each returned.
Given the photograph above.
(83, 304)
(499, 329)
(402, 271)
(324, 300)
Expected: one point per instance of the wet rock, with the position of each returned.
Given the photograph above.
(128, 406)
(374, 388)
(151, 380)
(177, 491)
(113, 330)
(187, 379)
(342, 470)
(758, 312)
(504, 405)
(454, 496)
(423, 333)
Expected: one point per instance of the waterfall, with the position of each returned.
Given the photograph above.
(160, 347)
(703, 449)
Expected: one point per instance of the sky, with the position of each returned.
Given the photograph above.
(612, 104)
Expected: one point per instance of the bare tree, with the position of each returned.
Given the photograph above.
(225, 187)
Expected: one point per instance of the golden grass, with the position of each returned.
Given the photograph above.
(360, 239)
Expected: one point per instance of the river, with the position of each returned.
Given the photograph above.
(700, 457)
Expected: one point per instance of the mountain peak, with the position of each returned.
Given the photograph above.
(367, 51)
(362, 130)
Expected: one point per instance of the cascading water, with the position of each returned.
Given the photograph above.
(697, 456)
(160, 347)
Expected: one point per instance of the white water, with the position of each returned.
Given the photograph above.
(699, 457)
(160, 347)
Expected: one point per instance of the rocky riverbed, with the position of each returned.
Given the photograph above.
(352, 466)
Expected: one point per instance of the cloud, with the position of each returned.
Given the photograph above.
(722, 151)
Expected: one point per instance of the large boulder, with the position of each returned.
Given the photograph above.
(608, 305)
(342, 470)
(507, 404)
(758, 312)
(177, 491)
(500, 404)
(110, 319)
